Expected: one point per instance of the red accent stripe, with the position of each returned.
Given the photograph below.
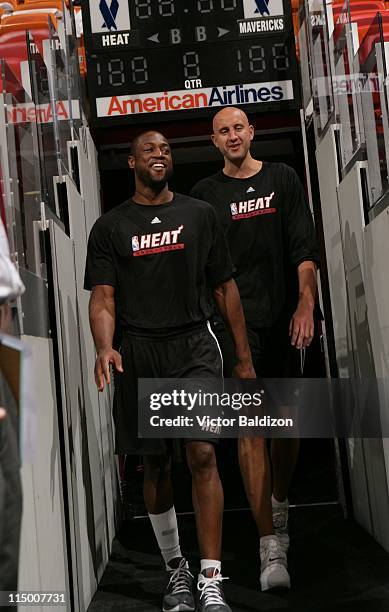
(255, 213)
(163, 249)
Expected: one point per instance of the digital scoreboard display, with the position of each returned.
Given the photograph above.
(175, 58)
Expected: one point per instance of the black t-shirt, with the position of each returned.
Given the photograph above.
(270, 231)
(162, 260)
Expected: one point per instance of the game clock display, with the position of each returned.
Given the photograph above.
(168, 56)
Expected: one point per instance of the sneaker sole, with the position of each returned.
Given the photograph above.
(267, 584)
(275, 587)
(228, 609)
(180, 608)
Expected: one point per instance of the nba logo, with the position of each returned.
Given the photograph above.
(135, 243)
(253, 9)
(234, 209)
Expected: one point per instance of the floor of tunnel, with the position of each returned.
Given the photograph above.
(334, 565)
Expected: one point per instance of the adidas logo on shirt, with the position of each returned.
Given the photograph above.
(156, 220)
(250, 190)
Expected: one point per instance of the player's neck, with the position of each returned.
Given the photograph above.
(243, 168)
(150, 197)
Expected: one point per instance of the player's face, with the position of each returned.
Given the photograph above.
(232, 134)
(152, 160)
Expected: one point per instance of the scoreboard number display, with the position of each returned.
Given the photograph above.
(180, 58)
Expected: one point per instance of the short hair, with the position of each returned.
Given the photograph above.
(136, 139)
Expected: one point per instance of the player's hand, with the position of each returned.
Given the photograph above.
(301, 326)
(3, 413)
(244, 369)
(104, 359)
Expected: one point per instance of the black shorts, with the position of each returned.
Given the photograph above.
(273, 355)
(189, 354)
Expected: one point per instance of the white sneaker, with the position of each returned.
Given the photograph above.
(280, 522)
(274, 566)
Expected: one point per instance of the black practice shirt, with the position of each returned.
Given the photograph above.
(270, 231)
(162, 260)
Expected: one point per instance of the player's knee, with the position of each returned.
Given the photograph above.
(201, 457)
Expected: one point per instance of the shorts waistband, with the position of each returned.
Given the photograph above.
(166, 332)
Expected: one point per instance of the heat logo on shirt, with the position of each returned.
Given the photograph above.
(158, 242)
(252, 208)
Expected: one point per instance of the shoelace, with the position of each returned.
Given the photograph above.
(180, 579)
(209, 588)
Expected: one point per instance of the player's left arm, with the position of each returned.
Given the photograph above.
(301, 327)
(228, 302)
(304, 254)
(226, 294)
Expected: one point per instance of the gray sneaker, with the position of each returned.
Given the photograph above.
(211, 596)
(274, 567)
(179, 590)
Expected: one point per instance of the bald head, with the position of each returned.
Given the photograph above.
(227, 114)
(232, 134)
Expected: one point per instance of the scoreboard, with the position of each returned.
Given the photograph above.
(179, 58)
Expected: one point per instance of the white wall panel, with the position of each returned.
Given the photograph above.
(109, 462)
(339, 300)
(90, 191)
(87, 188)
(373, 489)
(79, 476)
(98, 407)
(29, 577)
(376, 261)
(95, 173)
(352, 217)
(378, 489)
(328, 181)
(376, 258)
(368, 475)
(95, 418)
(358, 481)
(43, 555)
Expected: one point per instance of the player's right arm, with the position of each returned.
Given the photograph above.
(230, 307)
(102, 323)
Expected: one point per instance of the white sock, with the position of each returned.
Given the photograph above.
(280, 504)
(166, 532)
(206, 564)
